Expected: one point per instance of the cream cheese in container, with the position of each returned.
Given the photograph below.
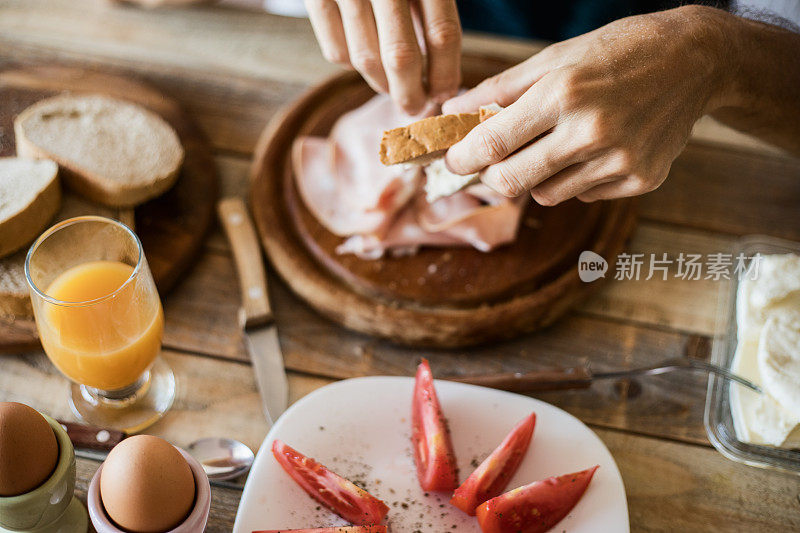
(768, 352)
(758, 337)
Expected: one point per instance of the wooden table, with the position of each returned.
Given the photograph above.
(232, 70)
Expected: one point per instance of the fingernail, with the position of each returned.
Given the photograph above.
(443, 96)
(450, 106)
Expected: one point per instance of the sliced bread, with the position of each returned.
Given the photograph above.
(30, 195)
(14, 298)
(113, 152)
(421, 141)
(425, 137)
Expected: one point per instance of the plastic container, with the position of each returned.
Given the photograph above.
(718, 417)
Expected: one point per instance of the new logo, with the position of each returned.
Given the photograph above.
(591, 266)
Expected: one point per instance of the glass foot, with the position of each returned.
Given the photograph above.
(130, 410)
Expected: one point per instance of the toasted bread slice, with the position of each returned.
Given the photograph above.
(30, 195)
(14, 298)
(112, 152)
(425, 137)
(424, 140)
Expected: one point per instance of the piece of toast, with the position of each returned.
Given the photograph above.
(428, 137)
(30, 195)
(14, 298)
(425, 137)
(111, 151)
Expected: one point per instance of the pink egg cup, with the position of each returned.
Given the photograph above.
(194, 523)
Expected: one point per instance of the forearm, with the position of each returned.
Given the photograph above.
(760, 81)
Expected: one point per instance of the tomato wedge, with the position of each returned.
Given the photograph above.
(338, 494)
(534, 508)
(493, 474)
(433, 451)
(340, 529)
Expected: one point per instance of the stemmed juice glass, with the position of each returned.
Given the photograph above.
(100, 321)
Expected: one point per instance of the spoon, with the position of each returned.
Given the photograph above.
(222, 458)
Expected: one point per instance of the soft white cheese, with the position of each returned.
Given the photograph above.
(440, 182)
(772, 281)
(757, 418)
(768, 352)
(779, 358)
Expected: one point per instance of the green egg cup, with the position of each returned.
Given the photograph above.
(52, 506)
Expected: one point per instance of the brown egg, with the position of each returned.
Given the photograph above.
(28, 449)
(146, 485)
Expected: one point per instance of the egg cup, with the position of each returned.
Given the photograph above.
(52, 506)
(194, 522)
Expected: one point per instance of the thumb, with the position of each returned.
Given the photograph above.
(503, 89)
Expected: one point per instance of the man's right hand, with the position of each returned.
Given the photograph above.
(378, 39)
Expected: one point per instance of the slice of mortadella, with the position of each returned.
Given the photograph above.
(354, 141)
(477, 216)
(383, 209)
(326, 195)
(405, 237)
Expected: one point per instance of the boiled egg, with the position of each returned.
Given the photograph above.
(28, 449)
(146, 485)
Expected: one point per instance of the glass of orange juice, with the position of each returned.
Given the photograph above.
(100, 321)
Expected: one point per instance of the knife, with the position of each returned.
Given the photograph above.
(255, 315)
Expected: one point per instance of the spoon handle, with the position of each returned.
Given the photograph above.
(92, 438)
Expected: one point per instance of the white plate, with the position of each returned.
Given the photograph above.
(360, 429)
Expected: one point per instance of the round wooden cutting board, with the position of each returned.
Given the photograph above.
(171, 227)
(440, 297)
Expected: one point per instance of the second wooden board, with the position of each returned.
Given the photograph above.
(172, 227)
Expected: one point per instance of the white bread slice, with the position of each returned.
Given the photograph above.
(112, 152)
(14, 297)
(30, 195)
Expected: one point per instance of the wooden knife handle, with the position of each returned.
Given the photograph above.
(92, 438)
(579, 377)
(239, 228)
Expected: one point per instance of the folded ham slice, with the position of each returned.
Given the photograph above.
(383, 208)
(354, 138)
(405, 237)
(327, 195)
(466, 217)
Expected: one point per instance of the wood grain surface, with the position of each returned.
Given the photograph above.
(232, 71)
(172, 227)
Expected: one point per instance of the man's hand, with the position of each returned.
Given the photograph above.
(599, 116)
(378, 39)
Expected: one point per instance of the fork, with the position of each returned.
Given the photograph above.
(581, 377)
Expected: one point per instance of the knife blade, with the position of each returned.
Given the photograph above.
(255, 316)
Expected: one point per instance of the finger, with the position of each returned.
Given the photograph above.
(572, 181)
(504, 88)
(362, 42)
(327, 23)
(621, 188)
(493, 140)
(527, 168)
(400, 53)
(442, 31)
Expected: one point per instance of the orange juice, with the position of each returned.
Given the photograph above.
(109, 330)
